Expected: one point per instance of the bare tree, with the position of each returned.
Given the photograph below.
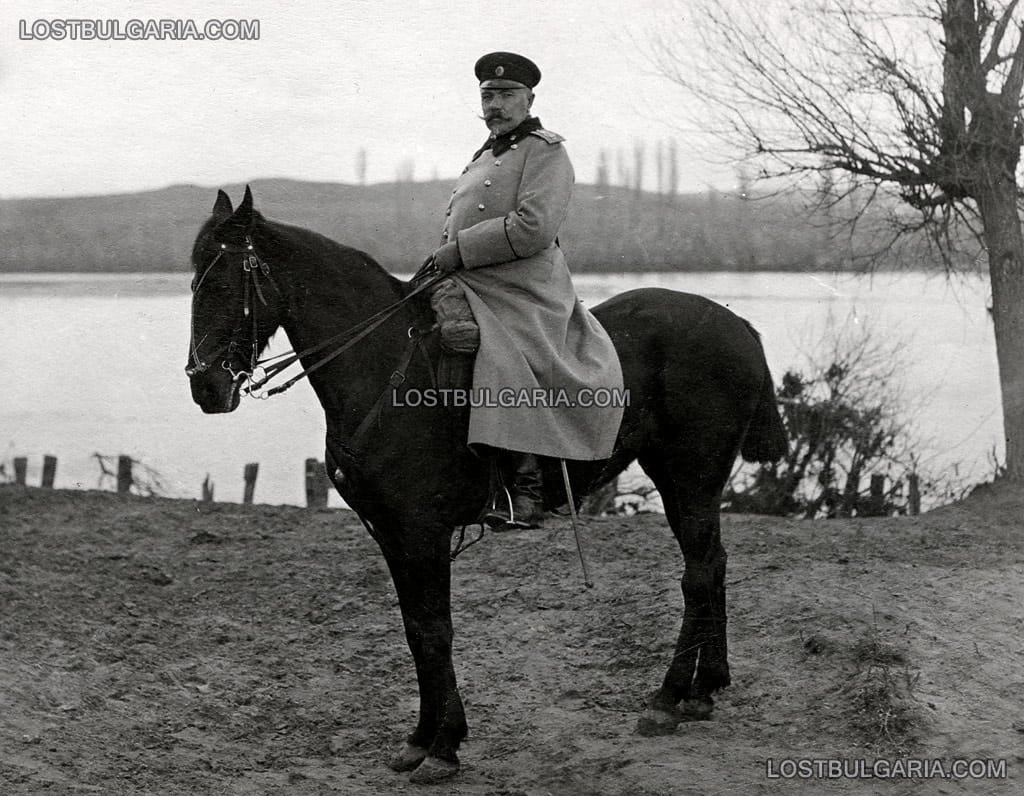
(638, 165)
(361, 166)
(918, 102)
(673, 168)
(622, 171)
(601, 180)
(659, 164)
(405, 170)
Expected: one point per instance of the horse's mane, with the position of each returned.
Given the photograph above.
(329, 254)
(294, 236)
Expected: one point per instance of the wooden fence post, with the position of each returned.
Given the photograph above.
(316, 484)
(207, 489)
(20, 468)
(876, 497)
(914, 498)
(49, 471)
(251, 471)
(124, 473)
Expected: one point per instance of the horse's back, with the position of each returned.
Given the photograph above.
(669, 324)
(652, 299)
(695, 370)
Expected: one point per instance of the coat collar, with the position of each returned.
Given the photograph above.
(502, 143)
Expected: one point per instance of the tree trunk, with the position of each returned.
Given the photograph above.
(997, 203)
(986, 153)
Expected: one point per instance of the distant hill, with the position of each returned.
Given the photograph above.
(608, 229)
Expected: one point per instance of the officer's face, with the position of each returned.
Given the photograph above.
(505, 108)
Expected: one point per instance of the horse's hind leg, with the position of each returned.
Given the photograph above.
(700, 664)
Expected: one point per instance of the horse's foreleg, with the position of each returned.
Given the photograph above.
(423, 582)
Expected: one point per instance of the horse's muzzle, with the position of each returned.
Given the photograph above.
(214, 392)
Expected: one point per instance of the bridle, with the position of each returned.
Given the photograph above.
(252, 266)
(262, 371)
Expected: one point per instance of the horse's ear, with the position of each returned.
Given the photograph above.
(246, 201)
(222, 207)
(241, 221)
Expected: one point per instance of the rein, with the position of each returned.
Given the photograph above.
(359, 330)
(253, 265)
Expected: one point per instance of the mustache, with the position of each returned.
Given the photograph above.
(494, 115)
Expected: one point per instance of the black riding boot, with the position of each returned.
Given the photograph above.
(522, 506)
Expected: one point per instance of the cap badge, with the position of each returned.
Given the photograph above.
(499, 71)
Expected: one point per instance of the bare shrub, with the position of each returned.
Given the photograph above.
(884, 709)
(846, 421)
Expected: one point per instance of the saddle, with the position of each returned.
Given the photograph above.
(458, 329)
(460, 335)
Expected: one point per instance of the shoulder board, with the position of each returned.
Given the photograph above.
(547, 135)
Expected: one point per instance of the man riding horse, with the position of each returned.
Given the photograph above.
(500, 244)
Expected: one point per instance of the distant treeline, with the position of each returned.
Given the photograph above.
(609, 228)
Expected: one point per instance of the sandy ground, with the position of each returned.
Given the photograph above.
(152, 646)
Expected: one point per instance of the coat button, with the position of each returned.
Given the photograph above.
(514, 146)
(445, 234)
(465, 169)
(455, 191)
(448, 212)
(497, 163)
(479, 207)
(487, 183)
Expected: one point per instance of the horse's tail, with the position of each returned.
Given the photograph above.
(766, 439)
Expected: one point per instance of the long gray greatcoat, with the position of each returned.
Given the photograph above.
(505, 213)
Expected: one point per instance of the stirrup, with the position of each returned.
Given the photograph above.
(530, 514)
(493, 517)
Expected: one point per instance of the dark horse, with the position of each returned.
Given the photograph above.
(700, 393)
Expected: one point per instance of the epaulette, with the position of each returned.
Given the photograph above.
(547, 135)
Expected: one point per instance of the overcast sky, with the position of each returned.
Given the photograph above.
(323, 80)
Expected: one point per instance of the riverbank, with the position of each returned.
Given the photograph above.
(169, 646)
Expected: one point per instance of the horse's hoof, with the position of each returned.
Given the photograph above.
(433, 770)
(696, 709)
(654, 722)
(408, 757)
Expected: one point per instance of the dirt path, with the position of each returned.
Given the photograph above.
(168, 647)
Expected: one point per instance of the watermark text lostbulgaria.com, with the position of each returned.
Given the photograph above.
(139, 30)
(513, 398)
(898, 768)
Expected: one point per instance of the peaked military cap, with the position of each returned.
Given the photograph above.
(506, 70)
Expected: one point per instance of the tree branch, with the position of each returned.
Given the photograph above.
(992, 57)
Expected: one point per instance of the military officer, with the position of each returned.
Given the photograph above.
(500, 243)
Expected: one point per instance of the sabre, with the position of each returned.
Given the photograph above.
(575, 530)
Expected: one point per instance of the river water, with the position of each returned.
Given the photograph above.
(94, 364)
